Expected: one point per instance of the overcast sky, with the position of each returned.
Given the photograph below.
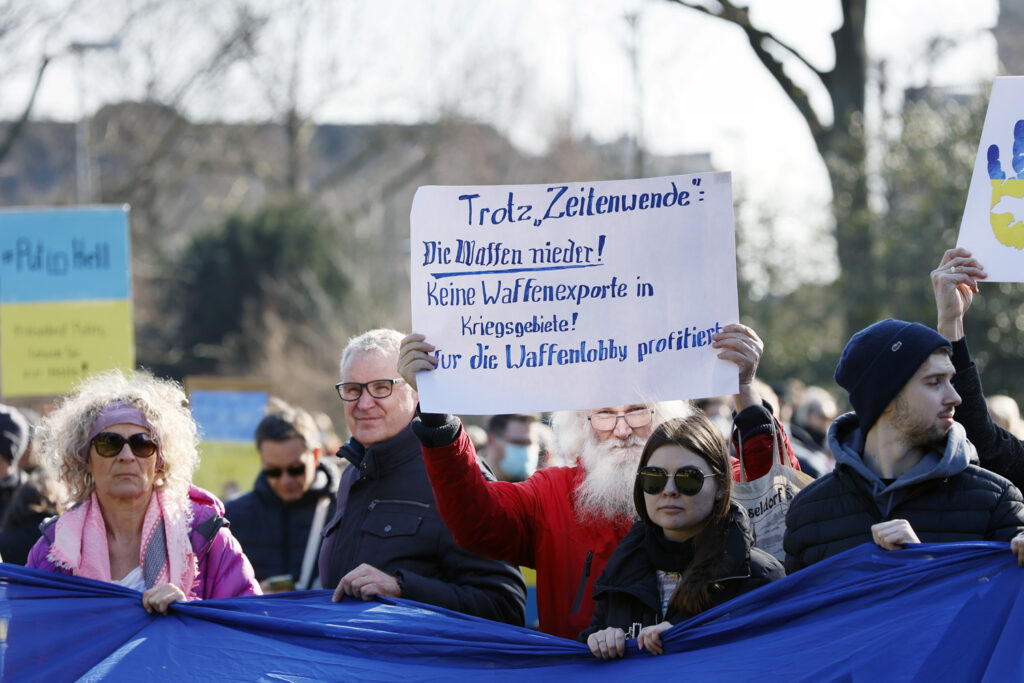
(525, 65)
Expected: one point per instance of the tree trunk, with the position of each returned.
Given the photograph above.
(844, 150)
(842, 144)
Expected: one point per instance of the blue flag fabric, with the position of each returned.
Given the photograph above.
(925, 613)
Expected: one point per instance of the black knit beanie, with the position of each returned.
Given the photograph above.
(879, 360)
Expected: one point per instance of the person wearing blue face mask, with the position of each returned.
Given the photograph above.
(513, 446)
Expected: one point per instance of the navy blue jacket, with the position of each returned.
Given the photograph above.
(390, 521)
(998, 450)
(273, 533)
(945, 498)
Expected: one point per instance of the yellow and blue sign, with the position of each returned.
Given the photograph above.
(65, 297)
(227, 411)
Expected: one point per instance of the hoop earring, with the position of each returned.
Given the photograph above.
(89, 481)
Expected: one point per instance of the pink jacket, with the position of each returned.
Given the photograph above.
(224, 571)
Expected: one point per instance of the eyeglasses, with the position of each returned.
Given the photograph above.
(292, 470)
(109, 444)
(689, 480)
(377, 388)
(606, 420)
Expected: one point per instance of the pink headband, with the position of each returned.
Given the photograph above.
(115, 414)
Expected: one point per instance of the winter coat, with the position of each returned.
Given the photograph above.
(19, 525)
(627, 594)
(224, 571)
(998, 449)
(8, 486)
(274, 533)
(944, 497)
(390, 521)
(533, 523)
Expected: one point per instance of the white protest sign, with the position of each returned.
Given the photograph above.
(573, 295)
(992, 228)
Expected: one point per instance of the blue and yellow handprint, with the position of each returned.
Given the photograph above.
(1009, 229)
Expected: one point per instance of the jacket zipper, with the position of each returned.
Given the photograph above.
(374, 502)
(583, 582)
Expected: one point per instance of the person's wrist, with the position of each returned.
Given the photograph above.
(951, 329)
(746, 396)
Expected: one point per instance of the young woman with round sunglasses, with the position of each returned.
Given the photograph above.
(691, 550)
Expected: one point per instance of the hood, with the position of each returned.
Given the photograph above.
(847, 444)
(736, 563)
(200, 497)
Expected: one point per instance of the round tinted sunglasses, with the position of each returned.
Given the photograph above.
(689, 480)
(109, 444)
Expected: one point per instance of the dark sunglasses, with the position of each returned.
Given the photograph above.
(109, 444)
(689, 480)
(292, 470)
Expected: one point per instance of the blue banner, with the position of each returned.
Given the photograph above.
(230, 416)
(931, 612)
(78, 253)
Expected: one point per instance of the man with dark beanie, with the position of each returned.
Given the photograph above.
(905, 472)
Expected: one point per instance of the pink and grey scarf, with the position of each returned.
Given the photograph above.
(165, 553)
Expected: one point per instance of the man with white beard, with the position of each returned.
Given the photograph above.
(608, 449)
(566, 521)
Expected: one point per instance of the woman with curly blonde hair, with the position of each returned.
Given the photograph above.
(124, 445)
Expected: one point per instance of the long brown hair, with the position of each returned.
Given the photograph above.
(697, 434)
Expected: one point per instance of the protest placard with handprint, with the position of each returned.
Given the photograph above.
(993, 223)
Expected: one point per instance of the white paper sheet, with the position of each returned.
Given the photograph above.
(573, 295)
(992, 228)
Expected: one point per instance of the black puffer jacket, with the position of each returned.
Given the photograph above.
(998, 449)
(273, 533)
(8, 485)
(627, 593)
(390, 521)
(944, 497)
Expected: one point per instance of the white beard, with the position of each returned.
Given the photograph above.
(606, 493)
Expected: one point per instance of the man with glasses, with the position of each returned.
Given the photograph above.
(566, 521)
(279, 522)
(386, 537)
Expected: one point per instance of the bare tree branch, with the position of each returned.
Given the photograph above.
(237, 42)
(14, 131)
(740, 16)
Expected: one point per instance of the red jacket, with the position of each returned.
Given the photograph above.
(533, 523)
